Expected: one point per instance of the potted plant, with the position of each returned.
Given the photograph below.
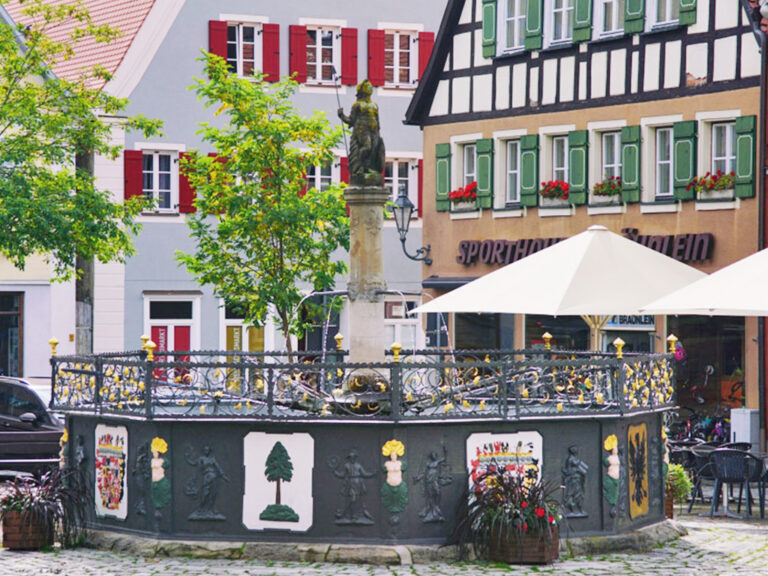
(34, 511)
(608, 188)
(679, 487)
(512, 519)
(554, 190)
(465, 197)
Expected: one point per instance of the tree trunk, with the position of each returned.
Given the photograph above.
(277, 492)
(286, 327)
(84, 282)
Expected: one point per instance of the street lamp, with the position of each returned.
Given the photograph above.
(401, 209)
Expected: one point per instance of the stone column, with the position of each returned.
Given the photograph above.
(366, 273)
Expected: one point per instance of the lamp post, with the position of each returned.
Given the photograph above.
(401, 210)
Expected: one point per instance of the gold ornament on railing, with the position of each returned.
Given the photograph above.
(396, 347)
(547, 340)
(53, 342)
(672, 341)
(339, 339)
(619, 343)
(150, 346)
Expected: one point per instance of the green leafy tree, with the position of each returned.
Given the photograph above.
(278, 468)
(48, 205)
(259, 234)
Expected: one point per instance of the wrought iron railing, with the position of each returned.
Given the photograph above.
(423, 384)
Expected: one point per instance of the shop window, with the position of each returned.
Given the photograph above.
(663, 139)
(172, 323)
(11, 345)
(609, 17)
(568, 333)
(512, 172)
(399, 326)
(512, 24)
(476, 331)
(238, 334)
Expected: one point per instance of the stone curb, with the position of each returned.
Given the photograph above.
(640, 540)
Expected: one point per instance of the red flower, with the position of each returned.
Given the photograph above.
(540, 512)
(551, 519)
(523, 504)
(525, 527)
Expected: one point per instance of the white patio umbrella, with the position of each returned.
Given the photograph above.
(740, 289)
(595, 275)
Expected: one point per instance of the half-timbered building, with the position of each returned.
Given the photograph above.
(640, 115)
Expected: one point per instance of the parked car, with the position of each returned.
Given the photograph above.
(29, 433)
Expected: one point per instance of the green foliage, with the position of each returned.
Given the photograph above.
(47, 205)
(679, 483)
(258, 236)
(278, 465)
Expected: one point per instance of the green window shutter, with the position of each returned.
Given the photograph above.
(529, 168)
(484, 173)
(634, 16)
(578, 140)
(489, 28)
(684, 159)
(582, 21)
(442, 176)
(745, 157)
(687, 12)
(630, 164)
(534, 27)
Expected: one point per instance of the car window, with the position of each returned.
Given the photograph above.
(21, 401)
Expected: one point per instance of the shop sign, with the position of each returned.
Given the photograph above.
(681, 247)
(636, 322)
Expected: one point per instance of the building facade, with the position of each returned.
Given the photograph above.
(639, 116)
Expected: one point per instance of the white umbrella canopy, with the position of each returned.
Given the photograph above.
(740, 289)
(595, 275)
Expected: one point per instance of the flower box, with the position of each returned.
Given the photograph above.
(465, 195)
(25, 532)
(715, 186)
(554, 189)
(525, 548)
(608, 188)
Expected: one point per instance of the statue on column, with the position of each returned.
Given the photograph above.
(366, 147)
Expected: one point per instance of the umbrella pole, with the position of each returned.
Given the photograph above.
(595, 324)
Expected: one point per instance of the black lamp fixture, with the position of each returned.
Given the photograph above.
(401, 209)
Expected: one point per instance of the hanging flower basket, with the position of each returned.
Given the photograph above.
(464, 194)
(611, 186)
(554, 189)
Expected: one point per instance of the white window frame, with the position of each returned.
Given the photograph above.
(410, 180)
(258, 46)
(511, 197)
(335, 54)
(668, 18)
(616, 7)
(457, 154)
(566, 10)
(554, 142)
(613, 164)
(225, 323)
(409, 320)
(656, 162)
(730, 152)
(468, 176)
(173, 203)
(316, 179)
(193, 323)
(504, 18)
(413, 51)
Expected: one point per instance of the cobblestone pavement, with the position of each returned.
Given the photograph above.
(713, 547)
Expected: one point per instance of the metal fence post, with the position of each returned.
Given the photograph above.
(98, 383)
(619, 384)
(270, 391)
(148, 368)
(395, 383)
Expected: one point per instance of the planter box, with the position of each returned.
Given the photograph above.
(21, 532)
(525, 549)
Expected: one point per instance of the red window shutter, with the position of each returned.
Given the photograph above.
(186, 191)
(349, 56)
(298, 56)
(344, 175)
(376, 57)
(419, 198)
(271, 51)
(133, 161)
(217, 38)
(426, 42)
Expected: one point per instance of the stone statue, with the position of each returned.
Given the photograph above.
(574, 479)
(141, 472)
(208, 490)
(366, 148)
(353, 489)
(434, 479)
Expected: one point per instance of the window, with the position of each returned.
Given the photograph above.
(512, 22)
(160, 180)
(240, 336)
(724, 147)
(396, 175)
(667, 11)
(469, 171)
(664, 162)
(172, 322)
(11, 314)
(243, 51)
(513, 172)
(562, 20)
(560, 158)
(610, 14)
(399, 326)
(320, 177)
(611, 155)
(399, 59)
(322, 54)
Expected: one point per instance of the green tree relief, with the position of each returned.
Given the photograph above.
(278, 468)
(259, 234)
(47, 205)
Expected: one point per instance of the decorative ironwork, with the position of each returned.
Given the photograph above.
(204, 485)
(320, 385)
(574, 479)
(353, 488)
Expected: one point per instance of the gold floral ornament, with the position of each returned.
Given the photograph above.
(393, 447)
(64, 437)
(611, 442)
(159, 445)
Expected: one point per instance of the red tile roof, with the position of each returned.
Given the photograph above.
(125, 15)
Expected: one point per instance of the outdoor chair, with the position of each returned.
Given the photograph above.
(736, 467)
(745, 446)
(701, 470)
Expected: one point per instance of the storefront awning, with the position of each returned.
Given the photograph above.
(446, 282)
